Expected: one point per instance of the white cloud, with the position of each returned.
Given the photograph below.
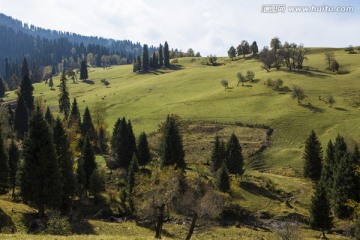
(210, 27)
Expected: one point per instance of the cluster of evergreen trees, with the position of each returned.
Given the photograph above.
(159, 59)
(244, 48)
(228, 158)
(335, 177)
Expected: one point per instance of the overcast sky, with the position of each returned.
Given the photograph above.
(208, 26)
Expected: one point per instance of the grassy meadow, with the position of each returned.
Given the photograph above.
(192, 90)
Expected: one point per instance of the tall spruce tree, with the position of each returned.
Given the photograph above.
(64, 100)
(4, 167)
(234, 158)
(139, 64)
(320, 213)
(102, 141)
(75, 118)
(25, 68)
(21, 117)
(63, 151)
(345, 186)
(145, 58)
(327, 171)
(49, 117)
(166, 55)
(143, 151)
(14, 156)
(87, 127)
(83, 70)
(171, 147)
(161, 56)
(123, 143)
(312, 157)
(224, 179)
(11, 116)
(132, 171)
(40, 175)
(2, 89)
(88, 161)
(218, 154)
(26, 91)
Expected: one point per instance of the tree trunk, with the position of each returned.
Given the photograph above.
(192, 226)
(160, 220)
(323, 232)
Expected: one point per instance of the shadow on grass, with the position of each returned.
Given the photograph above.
(341, 109)
(91, 82)
(312, 108)
(82, 227)
(256, 190)
(311, 74)
(6, 223)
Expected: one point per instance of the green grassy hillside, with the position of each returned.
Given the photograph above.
(192, 90)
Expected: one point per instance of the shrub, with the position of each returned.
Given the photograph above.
(58, 225)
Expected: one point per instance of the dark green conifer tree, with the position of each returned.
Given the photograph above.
(135, 66)
(88, 161)
(327, 171)
(224, 179)
(51, 83)
(161, 56)
(4, 168)
(143, 151)
(40, 175)
(26, 91)
(312, 157)
(64, 100)
(62, 147)
(75, 118)
(11, 116)
(2, 89)
(345, 186)
(132, 171)
(218, 154)
(171, 147)
(14, 156)
(139, 64)
(320, 214)
(25, 68)
(21, 117)
(83, 70)
(102, 141)
(145, 59)
(96, 184)
(234, 158)
(87, 126)
(49, 117)
(166, 55)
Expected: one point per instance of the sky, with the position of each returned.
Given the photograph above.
(207, 26)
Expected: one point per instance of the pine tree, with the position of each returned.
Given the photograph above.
(224, 179)
(40, 175)
(218, 154)
(313, 157)
(87, 127)
(166, 55)
(320, 214)
(83, 70)
(327, 171)
(11, 116)
(123, 143)
(96, 184)
(161, 56)
(14, 156)
(139, 64)
(171, 147)
(21, 117)
(49, 117)
(26, 91)
(2, 89)
(143, 152)
(234, 158)
(75, 118)
(135, 66)
(145, 58)
(4, 168)
(64, 100)
(25, 68)
(345, 186)
(88, 159)
(80, 175)
(62, 147)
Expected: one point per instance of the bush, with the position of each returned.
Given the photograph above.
(58, 225)
(105, 82)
